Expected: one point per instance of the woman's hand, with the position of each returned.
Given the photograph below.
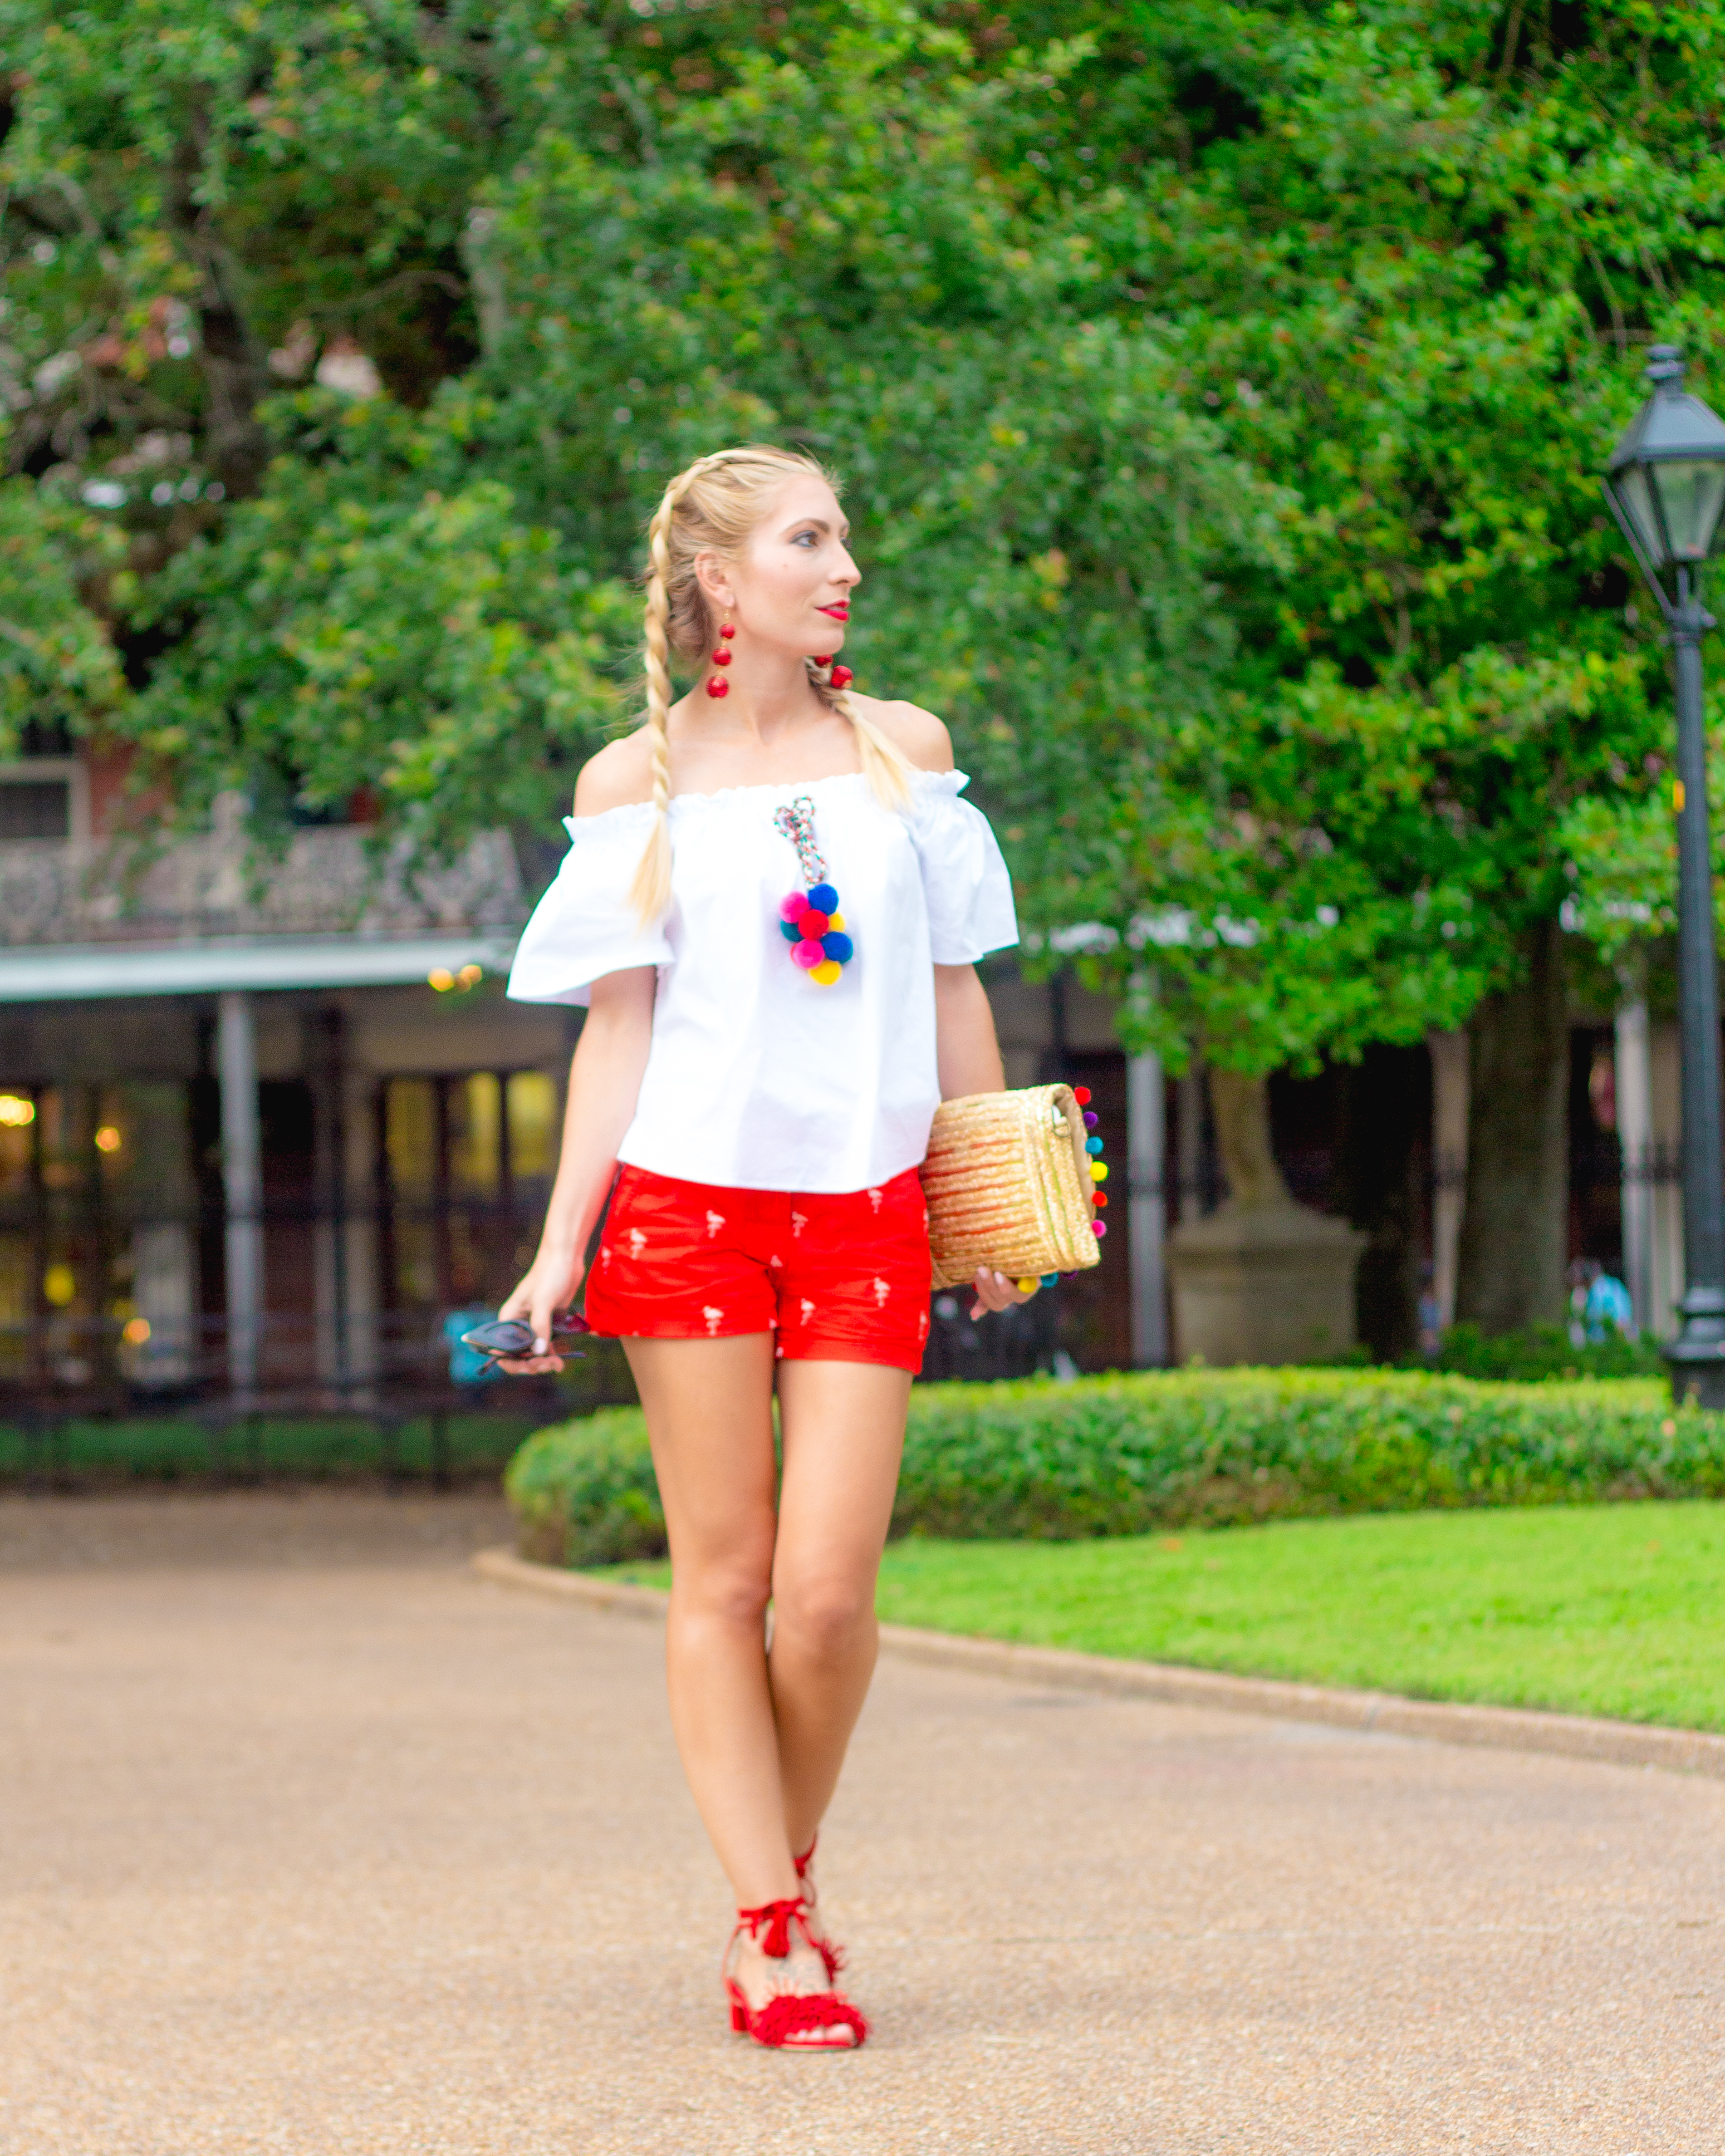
(995, 1291)
(550, 1284)
(604, 1082)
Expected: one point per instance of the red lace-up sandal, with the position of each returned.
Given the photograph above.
(790, 2020)
(831, 1952)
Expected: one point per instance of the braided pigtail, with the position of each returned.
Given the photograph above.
(885, 764)
(651, 892)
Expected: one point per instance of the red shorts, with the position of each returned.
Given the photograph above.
(840, 1278)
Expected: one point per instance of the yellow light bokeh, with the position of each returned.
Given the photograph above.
(60, 1286)
(441, 978)
(135, 1332)
(108, 1139)
(16, 1111)
(471, 976)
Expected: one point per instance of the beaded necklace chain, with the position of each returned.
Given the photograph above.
(809, 919)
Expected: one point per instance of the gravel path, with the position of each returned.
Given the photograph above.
(312, 1842)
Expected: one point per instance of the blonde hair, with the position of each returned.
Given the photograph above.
(712, 508)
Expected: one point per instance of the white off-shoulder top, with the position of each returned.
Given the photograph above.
(758, 1078)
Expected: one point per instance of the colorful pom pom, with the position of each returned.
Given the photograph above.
(1098, 1227)
(1093, 1145)
(1098, 1197)
(1080, 1094)
(1098, 1168)
(1048, 1278)
(1027, 1286)
(810, 920)
(1091, 1119)
(841, 677)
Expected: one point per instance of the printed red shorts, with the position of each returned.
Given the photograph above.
(840, 1277)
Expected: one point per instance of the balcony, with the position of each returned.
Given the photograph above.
(84, 917)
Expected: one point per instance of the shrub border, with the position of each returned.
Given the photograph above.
(1377, 1713)
(1132, 1453)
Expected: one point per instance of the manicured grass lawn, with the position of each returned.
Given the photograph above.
(1609, 1609)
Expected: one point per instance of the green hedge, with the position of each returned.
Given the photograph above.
(86, 1453)
(1542, 1352)
(1120, 1456)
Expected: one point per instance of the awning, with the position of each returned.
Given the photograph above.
(71, 972)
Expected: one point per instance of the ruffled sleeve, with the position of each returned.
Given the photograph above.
(585, 926)
(964, 878)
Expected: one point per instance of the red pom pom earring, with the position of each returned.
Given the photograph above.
(717, 686)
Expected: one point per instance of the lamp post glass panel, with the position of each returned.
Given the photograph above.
(1666, 482)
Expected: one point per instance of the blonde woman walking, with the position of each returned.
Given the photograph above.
(772, 905)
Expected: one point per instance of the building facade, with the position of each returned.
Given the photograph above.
(266, 1123)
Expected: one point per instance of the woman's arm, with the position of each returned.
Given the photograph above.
(968, 1056)
(604, 1083)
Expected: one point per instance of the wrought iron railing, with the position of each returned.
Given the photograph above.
(327, 881)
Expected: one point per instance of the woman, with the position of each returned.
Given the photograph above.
(772, 906)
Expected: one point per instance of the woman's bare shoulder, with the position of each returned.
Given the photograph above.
(921, 736)
(618, 777)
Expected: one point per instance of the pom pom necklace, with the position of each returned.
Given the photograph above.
(809, 919)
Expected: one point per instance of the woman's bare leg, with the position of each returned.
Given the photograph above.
(709, 1408)
(843, 1426)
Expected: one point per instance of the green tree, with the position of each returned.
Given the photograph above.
(1412, 261)
(1219, 388)
(59, 673)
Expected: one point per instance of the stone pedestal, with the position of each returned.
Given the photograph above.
(1263, 1284)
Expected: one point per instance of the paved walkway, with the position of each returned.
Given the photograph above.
(310, 1841)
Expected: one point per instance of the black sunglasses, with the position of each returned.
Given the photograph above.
(512, 1338)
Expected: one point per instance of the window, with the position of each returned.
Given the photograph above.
(43, 797)
(35, 808)
(468, 1161)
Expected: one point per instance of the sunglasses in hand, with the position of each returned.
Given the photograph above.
(510, 1339)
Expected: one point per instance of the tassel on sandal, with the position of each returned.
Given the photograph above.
(790, 2020)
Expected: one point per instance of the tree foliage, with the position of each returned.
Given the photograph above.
(57, 669)
(1220, 392)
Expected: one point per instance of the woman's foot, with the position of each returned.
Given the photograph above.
(780, 1986)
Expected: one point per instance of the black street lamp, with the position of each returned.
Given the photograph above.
(1666, 482)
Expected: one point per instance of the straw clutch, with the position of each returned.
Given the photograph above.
(1008, 1186)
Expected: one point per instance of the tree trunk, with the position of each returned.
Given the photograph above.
(1240, 1108)
(231, 355)
(1261, 1279)
(1515, 1230)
